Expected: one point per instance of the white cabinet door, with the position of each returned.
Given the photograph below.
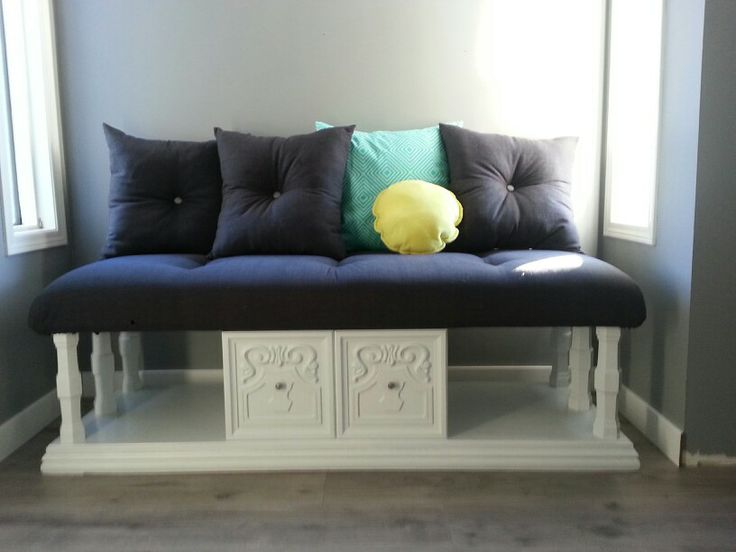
(278, 384)
(391, 383)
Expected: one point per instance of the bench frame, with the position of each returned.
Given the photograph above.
(606, 448)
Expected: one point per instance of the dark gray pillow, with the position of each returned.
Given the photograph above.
(164, 195)
(515, 192)
(282, 195)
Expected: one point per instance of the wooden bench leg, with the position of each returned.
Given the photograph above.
(607, 379)
(69, 388)
(580, 364)
(131, 355)
(103, 369)
(560, 374)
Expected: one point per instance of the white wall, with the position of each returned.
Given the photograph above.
(176, 68)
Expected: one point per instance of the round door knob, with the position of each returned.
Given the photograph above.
(392, 385)
(280, 386)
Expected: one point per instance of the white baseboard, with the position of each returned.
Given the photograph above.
(665, 435)
(16, 431)
(696, 459)
(156, 377)
(507, 373)
(528, 373)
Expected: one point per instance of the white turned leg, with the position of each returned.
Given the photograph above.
(131, 354)
(606, 384)
(69, 388)
(560, 374)
(103, 369)
(580, 363)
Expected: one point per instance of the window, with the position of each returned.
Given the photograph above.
(635, 45)
(31, 163)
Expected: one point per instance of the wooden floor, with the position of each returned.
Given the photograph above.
(657, 508)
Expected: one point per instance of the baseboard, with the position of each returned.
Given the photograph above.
(156, 377)
(665, 435)
(696, 459)
(16, 431)
(508, 373)
(528, 373)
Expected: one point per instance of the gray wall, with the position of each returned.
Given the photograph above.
(174, 69)
(654, 357)
(27, 360)
(711, 385)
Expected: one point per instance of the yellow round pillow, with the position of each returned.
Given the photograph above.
(415, 217)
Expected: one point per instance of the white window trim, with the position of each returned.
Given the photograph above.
(50, 195)
(639, 234)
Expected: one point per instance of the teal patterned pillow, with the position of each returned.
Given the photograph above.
(377, 160)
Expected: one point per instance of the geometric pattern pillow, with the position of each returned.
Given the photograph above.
(515, 192)
(165, 195)
(377, 160)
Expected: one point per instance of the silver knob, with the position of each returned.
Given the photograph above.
(280, 386)
(392, 385)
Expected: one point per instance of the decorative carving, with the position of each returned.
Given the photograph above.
(414, 357)
(302, 358)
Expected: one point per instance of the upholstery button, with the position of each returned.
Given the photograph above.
(510, 187)
(276, 195)
(178, 200)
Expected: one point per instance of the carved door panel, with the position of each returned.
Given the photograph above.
(385, 385)
(392, 383)
(280, 384)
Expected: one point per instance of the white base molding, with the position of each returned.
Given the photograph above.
(231, 456)
(179, 427)
(157, 378)
(696, 459)
(665, 435)
(16, 431)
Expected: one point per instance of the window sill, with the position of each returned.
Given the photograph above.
(630, 233)
(25, 241)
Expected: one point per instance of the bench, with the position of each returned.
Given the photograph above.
(335, 362)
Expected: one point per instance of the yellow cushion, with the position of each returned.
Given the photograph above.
(415, 217)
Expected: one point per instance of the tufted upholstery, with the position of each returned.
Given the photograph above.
(280, 292)
(282, 195)
(164, 195)
(515, 192)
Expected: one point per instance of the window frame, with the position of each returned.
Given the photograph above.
(48, 191)
(633, 233)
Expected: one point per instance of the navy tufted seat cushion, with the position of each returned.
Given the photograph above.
(289, 292)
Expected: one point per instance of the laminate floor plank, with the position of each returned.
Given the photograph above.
(657, 508)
